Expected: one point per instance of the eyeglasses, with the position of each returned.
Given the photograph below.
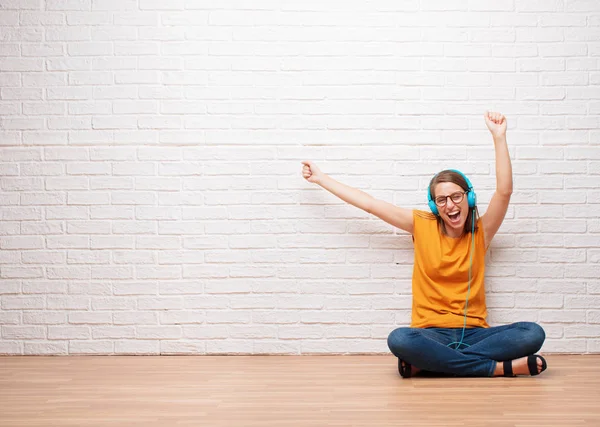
(456, 198)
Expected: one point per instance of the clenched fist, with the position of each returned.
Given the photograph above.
(311, 172)
(496, 123)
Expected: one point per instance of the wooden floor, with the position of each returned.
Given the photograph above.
(286, 391)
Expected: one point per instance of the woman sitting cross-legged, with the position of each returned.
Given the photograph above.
(449, 333)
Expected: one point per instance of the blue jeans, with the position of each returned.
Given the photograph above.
(427, 348)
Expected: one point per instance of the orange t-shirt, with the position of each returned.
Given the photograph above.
(441, 276)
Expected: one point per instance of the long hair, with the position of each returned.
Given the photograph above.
(458, 179)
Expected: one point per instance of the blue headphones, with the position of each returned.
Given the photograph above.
(471, 196)
(472, 200)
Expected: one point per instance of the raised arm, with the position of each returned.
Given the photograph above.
(493, 217)
(394, 215)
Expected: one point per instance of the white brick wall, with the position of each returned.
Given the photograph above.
(150, 181)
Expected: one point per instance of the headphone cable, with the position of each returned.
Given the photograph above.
(459, 343)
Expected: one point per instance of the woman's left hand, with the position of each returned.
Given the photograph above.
(496, 123)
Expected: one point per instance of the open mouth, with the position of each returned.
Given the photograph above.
(454, 217)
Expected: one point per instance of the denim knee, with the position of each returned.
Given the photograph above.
(533, 336)
(399, 340)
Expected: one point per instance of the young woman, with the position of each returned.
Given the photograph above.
(449, 333)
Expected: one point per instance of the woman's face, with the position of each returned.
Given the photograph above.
(453, 214)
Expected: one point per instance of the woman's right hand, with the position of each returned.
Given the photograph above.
(311, 172)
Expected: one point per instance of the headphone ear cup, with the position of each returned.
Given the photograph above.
(433, 207)
(431, 203)
(472, 199)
